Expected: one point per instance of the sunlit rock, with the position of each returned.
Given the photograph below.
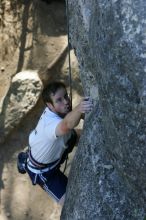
(23, 94)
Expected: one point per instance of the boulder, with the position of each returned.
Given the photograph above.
(21, 97)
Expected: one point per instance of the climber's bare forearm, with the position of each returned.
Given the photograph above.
(72, 119)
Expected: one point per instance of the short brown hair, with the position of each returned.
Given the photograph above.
(51, 88)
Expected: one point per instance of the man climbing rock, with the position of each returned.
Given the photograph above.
(53, 138)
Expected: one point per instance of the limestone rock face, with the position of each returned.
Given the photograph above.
(23, 94)
(107, 180)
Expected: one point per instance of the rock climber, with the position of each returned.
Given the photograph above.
(54, 138)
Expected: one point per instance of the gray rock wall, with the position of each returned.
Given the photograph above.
(108, 175)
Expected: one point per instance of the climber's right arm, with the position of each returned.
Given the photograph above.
(72, 119)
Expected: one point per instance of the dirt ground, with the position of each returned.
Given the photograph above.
(19, 199)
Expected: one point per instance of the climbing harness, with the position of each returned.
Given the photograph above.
(69, 47)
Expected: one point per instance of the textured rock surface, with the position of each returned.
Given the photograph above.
(23, 94)
(108, 176)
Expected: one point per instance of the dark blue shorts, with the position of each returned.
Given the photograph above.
(53, 181)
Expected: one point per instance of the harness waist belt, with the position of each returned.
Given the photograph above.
(41, 165)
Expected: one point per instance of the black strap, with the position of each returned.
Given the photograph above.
(38, 164)
(65, 164)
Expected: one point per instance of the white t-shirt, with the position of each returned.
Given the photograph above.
(45, 146)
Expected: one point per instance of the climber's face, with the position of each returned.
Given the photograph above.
(61, 104)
